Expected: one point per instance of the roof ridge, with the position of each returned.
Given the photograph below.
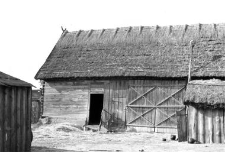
(150, 26)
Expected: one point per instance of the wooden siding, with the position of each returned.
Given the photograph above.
(66, 101)
(15, 119)
(70, 100)
(206, 125)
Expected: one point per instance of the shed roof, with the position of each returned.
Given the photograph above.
(8, 80)
(156, 51)
(205, 93)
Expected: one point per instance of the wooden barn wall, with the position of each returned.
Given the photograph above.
(206, 125)
(66, 101)
(69, 100)
(15, 119)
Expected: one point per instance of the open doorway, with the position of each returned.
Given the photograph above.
(96, 105)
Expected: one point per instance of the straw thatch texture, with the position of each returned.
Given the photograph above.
(205, 93)
(6, 79)
(137, 51)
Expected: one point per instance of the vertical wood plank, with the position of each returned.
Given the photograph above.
(18, 120)
(217, 129)
(201, 126)
(206, 117)
(28, 122)
(222, 126)
(182, 125)
(7, 147)
(195, 123)
(210, 125)
(13, 120)
(22, 113)
(2, 98)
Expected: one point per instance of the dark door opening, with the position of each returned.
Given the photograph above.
(96, 105)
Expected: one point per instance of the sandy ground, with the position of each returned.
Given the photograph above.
(68, 138)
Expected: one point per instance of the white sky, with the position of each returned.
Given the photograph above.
(30, 29)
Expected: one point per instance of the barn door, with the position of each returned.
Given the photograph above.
(154, 107)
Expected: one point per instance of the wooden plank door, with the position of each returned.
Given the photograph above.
(168, 100)
(154, 107)
(141, 107)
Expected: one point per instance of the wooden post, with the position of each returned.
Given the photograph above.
(190, 60)
(182, 125)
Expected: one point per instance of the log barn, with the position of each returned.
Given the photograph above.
(15, 114)
(206, 104)
(130, 76)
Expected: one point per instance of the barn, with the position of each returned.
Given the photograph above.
(130, 76)
(206, 101)
(15, 114)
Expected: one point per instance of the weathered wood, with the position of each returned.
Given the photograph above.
(194, 123)
(217, 129)
(28, 124)
(182, 125)
(7, 147)
(19, 141)
(2, 100)
(163, 106)
(13, 120)
(63, 100)
(222, 126)
(210, 126)
(201, 125)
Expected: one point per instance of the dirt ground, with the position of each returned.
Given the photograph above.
(70, 138)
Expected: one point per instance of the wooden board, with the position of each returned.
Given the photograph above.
(182, 125)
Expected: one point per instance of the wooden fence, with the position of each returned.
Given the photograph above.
(36, 111)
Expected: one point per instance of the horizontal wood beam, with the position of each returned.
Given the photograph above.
(166, 127)
(163, 106)
(172, 86)
(140, 125)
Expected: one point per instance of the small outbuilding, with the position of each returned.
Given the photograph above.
(15, 114)
(206, 106)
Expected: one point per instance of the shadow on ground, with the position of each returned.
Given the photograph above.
(46, 149)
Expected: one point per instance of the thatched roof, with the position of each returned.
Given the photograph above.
(137, 51)
(8, 80)
(203, 93)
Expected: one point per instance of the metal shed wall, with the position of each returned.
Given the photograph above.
(15, 118)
